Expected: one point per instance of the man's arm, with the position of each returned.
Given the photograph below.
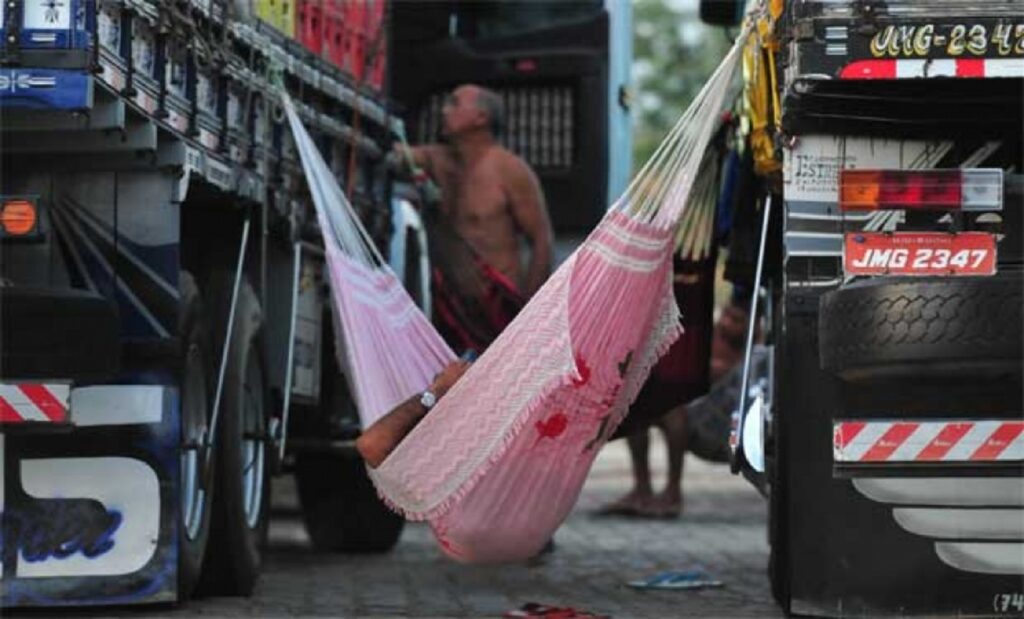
(531, 216)
(381, 438)
(419, 156)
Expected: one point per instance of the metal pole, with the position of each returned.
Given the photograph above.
(212, 434)
(751, 327)
(296, 270)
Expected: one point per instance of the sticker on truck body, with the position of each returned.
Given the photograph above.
(928, 441)
(23, 403)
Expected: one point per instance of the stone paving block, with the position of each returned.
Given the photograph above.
(721, 531)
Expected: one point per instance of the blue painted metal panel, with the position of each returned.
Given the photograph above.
(42, 89)
(146, 286)
(56, 24)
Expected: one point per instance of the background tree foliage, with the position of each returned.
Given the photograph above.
(674, 54)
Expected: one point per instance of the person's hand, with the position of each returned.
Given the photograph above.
(448, 377)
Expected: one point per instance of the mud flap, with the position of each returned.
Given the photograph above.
(89, 515)
(859, 547)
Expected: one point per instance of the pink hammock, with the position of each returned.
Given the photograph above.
(387, 348)
(499, 462)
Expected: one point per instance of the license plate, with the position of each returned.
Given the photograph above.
(919, 253)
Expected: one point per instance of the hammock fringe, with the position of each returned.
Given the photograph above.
(442, 508)
(534, 406)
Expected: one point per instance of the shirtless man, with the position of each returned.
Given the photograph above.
(490, 195)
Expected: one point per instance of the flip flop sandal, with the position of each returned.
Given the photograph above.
(532, 609)
(677, 579)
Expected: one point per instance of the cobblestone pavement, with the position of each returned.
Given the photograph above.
(722, 531)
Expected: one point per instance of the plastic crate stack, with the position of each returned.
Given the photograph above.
(278, 13)
(348, 33)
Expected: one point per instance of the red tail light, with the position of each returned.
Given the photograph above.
(969, 190)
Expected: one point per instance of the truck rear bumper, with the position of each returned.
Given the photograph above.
(54, 332)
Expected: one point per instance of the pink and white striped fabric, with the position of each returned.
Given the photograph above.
(387, 348)
(380, 328)
(532, 413)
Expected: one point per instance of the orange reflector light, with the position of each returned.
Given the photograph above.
(978, 189)
(18, 217)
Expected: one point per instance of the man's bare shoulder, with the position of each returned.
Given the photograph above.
(514, 167)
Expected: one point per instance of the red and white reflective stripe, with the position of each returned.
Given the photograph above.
(20, 403)
(928, 441)
(943, 67)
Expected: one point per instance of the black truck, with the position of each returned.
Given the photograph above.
(886, 428)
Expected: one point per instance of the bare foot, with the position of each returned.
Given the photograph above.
(666, 505)
(636, 503)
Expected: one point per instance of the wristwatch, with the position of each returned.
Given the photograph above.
(428, 399)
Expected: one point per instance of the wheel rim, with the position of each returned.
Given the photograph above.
(253, 443)
(193, 430)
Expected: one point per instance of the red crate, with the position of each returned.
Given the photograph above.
(376, 62)
(373, 16)
(355, 14)
(355, 49)
(377, 71)
(367, 19)
(350, 27)
(334, 33)
(310, 27)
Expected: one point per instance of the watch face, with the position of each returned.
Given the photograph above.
(428, 399)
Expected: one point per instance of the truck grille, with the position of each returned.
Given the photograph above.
(539, 124)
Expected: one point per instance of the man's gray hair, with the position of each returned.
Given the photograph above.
(492, 105)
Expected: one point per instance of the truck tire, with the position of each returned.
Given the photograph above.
(886, 329)
(241, 502)
(196, 489)
(340, 506)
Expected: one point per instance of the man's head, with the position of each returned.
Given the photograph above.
(470, 108)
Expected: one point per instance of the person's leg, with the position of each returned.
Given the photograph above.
(639, 448)
(637, 500)
(669, 503)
